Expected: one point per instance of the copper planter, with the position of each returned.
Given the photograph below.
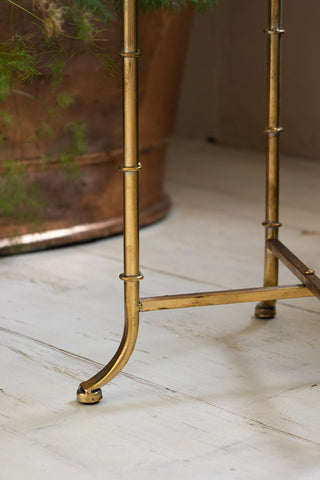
(91, 206)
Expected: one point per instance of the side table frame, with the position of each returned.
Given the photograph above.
(90, 390)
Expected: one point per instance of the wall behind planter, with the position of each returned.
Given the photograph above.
(223, 93)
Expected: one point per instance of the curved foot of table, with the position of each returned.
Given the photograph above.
(89, 396)
(89, 392)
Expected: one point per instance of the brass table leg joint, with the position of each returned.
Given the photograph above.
(273, 130)
(131, 278)
(131, 169)
(132, 54)
(274, 31)
(305, 274)
(269, 224)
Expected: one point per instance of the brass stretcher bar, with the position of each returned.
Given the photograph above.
(309, 288)
(223, 297)
(90, 390)
(299, 269)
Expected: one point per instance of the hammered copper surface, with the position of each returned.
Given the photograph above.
(97, 195)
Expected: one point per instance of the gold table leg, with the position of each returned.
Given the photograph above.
(267, 309)
(90, 391)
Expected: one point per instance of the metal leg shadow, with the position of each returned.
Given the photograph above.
(90, 391)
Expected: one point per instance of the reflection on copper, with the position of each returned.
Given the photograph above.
(78, 233)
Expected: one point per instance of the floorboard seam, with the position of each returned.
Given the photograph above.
(162, 388)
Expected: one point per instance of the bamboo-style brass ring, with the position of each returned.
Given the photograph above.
(133, 168)
(269, 224)
(131, 278)
(273, 130)
(133, 54)
(274, 31)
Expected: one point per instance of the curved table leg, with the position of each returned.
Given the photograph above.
(90, 390)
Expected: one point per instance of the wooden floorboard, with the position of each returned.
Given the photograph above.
(209, 392)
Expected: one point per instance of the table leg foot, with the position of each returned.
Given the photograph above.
(265, 310)
(89, 396)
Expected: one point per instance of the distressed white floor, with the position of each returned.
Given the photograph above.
(209, 393)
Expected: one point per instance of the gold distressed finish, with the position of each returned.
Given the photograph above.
(90, 391)
(274, 31)
(269, 224)
(134, 54)
(296, 266)
(309, 272)
(131, 278)
(273, 130)
(267, 309)
(134, 168)
(223, 297)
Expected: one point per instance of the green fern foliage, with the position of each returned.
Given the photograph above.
(76, 133)
(99, 9)
(18, 200)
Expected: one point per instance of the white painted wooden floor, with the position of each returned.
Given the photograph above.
(209, 393)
